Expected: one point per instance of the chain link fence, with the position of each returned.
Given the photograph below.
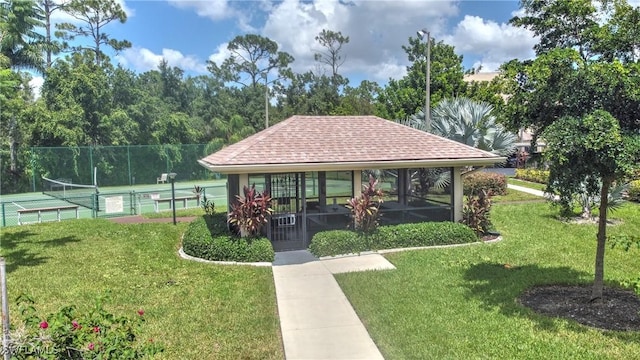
(21, 210)
(119, 165)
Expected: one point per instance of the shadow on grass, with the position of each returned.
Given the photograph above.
(27, 255)
(500, 285)
(11, 240)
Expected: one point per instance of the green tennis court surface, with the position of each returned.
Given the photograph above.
(112, 202)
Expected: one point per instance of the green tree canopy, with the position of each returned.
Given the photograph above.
(94, 16)
(594, 151)
(20, 41)
(404, 97)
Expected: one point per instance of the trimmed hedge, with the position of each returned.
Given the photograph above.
(634, 190)
(208, 238)
(491, 182)
(533, 175)
(336, 242)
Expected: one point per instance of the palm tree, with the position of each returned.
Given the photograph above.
(19, 40)
(469, 122)
(465, 121)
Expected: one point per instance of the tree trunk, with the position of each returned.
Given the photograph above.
(598, 283)
(47, 26)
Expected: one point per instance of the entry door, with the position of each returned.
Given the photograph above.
(287, 221)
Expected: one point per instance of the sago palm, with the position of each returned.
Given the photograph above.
(468, 122)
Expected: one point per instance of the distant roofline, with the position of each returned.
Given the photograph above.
(481, 76)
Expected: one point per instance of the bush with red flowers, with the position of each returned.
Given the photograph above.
(70, 334)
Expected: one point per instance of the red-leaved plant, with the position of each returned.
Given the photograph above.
(475, 213)
(365, 209)
(250, 212)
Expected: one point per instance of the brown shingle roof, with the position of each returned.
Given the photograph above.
(301, 140)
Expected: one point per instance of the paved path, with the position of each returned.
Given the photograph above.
(137, 219)
(528, 190)
(316, 319)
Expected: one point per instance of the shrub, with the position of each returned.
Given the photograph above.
(71, 334)
(335, 242)
(365, 209)
(209, 206)
(492, 183)
(533, 175)
(634, 190)
(208, 238)
(422, 234)
(250, 212)
(476, 212)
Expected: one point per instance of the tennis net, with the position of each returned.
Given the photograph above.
(83, 195)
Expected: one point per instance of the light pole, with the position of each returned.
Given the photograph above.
(266, 100)
(427, 111)
(172, 177)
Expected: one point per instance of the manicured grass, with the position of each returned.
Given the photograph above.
(198, 311)
(460, 303)
(527, 184)
(516, 196)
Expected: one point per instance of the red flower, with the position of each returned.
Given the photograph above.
(96, 329)
(44, 325)
(91, 346)
(140, 312)
(75, 325)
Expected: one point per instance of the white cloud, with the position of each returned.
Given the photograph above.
(143, 59)
(494, 43)
(382, 72)
(372, 49)
(221, 54)
(520, 12)
(36, 85)
(213, 9)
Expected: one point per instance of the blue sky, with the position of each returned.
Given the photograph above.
(188, 33)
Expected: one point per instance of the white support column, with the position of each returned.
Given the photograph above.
(457, 194)
(244, 181)
(357, 182)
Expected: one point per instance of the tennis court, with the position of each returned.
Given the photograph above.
(110, 202)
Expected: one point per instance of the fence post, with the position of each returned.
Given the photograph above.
(33, 168)
(129, 165)
(166, 154)
(4, 218)
(132, 202)
(5, 312)
(91, 164)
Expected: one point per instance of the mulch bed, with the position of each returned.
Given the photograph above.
(619, 309)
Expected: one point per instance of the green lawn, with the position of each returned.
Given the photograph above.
(199, 311)
(516, 196)
(527, 184)
(460, 303)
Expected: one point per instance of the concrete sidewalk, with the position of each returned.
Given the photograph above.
(530, 191)
(526, 190)
(316, 319)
